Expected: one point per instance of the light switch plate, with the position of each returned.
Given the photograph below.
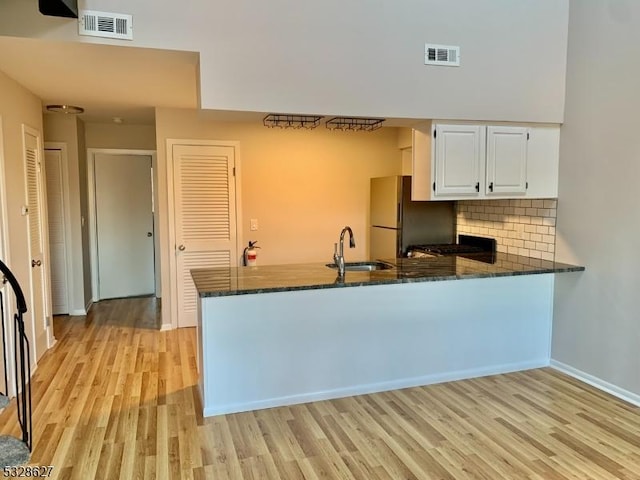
(253, 224)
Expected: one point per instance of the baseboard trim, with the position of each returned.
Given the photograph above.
(598, 383)
(78, 312)
(374, 388)
(87, 307)
(166, 327)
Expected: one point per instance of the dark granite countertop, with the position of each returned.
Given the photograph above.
(214, 282)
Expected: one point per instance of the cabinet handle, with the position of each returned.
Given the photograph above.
(491, 187)
(478, 187)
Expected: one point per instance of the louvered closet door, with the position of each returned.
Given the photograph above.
(205, 217)
(33, 169)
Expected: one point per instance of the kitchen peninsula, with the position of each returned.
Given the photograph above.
(285, 334)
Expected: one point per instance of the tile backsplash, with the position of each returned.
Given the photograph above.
(521, 227)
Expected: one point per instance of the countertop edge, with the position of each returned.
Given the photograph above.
(435, 278)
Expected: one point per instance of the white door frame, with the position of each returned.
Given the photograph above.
(66, 215)
(171, 142)
(91, 194)
(44, 237)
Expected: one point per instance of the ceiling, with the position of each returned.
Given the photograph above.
(107, 81)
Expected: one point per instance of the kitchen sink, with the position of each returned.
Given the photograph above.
(362, 266)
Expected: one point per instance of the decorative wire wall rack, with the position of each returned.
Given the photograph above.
(291, 121)
(354, 124)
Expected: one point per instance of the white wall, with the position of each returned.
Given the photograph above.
(351, 58)
(596, 328)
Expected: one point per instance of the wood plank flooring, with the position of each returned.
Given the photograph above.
(117, 399)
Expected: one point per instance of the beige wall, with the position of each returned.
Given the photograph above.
(302, 186)
(18, 106)
(351, 58)
(595, 328)
(65, 129)
(111, 135)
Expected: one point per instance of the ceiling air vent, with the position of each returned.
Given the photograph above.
(108, 25)
(441, 55)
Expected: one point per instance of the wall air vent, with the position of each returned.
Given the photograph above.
(441, 55)
(107, 25)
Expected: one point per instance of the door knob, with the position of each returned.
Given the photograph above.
(182, 248)
(36, 263)
(149, 234)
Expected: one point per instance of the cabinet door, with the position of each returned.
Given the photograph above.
(543, 155)
(506, 160)
(458, 155)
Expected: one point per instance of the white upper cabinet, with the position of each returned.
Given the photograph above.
(506, 160)
(459, 151)
(461, 161)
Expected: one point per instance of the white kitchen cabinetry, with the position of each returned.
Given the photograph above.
(506, 160)
(479, 161)
(459, 151)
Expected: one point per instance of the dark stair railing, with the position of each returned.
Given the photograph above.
(21, 354)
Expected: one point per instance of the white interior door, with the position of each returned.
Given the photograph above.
(35, 197)
(204, 216)
(57, 232)
(124, 225)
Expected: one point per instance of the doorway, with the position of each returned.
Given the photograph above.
(203, 210)
(36, 212)
(121, 223)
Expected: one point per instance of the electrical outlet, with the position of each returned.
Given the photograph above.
(253, 224)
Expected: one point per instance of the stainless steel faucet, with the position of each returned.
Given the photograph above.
(338, 256)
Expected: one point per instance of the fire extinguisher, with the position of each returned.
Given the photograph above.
(250, 254)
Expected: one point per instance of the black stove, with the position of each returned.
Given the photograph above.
(468, 246)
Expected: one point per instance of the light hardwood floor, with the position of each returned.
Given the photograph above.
(117, 399)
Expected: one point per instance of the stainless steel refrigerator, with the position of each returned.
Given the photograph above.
(397, 222)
